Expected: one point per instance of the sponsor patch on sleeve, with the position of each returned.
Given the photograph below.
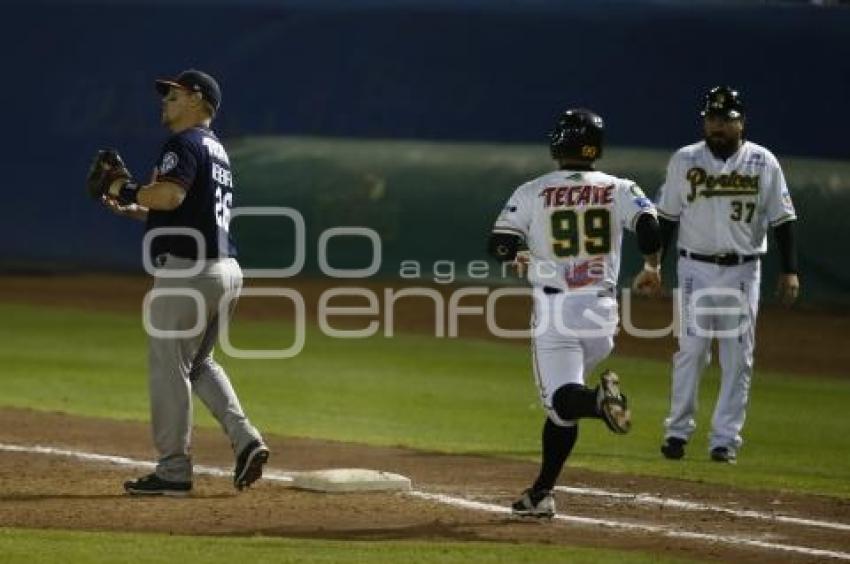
(169, 161)
(643, 203)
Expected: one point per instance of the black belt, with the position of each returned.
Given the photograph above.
(603, 293)
(160, 259)
(726, 259)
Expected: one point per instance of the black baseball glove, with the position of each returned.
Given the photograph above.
(106, 168)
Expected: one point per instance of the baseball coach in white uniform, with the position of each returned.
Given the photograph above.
(722, 193)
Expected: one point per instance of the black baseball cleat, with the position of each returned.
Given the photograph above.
(723, 454)
(534, 504)
(612, 404)
(673, 448)
(154, 485)
(249, 465)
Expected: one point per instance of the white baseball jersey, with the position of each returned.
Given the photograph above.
(725, 207)
(572, 222)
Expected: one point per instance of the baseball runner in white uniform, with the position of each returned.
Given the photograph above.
(723, 193)
(571, 221)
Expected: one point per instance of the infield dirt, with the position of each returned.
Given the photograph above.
(41, 491)
(44, 491)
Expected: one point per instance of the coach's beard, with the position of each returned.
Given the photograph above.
(722, 147)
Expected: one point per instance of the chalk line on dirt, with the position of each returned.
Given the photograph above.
(287, 477)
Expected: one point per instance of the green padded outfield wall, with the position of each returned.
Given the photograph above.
(436, 202)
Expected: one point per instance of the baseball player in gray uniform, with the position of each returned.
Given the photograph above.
(723, 193)
(572, 220)
(192, 190)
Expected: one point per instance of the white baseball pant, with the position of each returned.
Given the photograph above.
(572, 334)
(706, 290)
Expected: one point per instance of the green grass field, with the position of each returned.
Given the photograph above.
(447, 395)
(441, 394)
(25, 546)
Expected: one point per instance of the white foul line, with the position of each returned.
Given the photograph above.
(647, 499)
(131, 462)
(453, 501)
(664, 531)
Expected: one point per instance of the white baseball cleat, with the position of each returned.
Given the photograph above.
(612, 404)
(534, 504)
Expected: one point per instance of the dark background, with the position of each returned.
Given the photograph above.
(78, 76)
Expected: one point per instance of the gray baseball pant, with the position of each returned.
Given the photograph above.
(179, 365)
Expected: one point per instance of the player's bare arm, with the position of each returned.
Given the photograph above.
(159, 195)
(162, 195)
(648, 281)
(133, 211)
(110, 181)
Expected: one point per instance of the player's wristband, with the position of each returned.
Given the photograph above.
(649, 268)
(128, 193)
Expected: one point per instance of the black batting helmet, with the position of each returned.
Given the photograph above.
(723, 101)
(577, 135)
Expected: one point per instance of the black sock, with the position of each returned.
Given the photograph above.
(558, 442)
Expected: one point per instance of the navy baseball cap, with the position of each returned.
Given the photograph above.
(194, 81)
